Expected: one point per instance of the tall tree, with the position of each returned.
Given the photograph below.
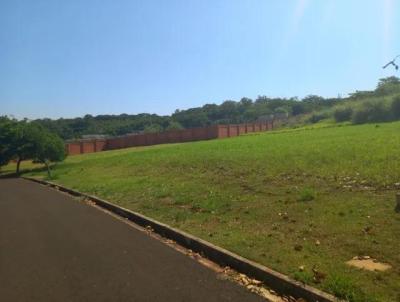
(6, 140)
(23, 141)
(28, 140)
(174, 126)
(389, 85)
(49, 148)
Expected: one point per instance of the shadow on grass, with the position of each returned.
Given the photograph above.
(5, 175)
(9, 174)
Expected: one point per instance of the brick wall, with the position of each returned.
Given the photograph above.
(100, 145)
(242, 129)
(88, 147)
(73, 148)
(172, 136)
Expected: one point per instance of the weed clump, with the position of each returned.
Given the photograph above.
(344, 288)
(303, 276)
(307, 194)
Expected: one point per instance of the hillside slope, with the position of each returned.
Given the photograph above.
(308, 197)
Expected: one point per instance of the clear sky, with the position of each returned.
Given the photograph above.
(66, 58)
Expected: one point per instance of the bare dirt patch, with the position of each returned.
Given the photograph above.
(367, 263)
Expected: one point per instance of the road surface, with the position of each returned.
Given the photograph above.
(53, 248)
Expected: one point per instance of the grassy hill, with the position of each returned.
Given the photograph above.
(312, 197)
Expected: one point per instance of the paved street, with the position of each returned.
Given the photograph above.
(53, 248)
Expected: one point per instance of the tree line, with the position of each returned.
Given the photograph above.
(379, 105)
(24, 140)
(229, 112)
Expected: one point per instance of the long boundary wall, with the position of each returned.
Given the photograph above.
(172, 136)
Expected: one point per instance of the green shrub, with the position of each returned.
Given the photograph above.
(304, 277)
(371, 112)
(344, 288)
(174, 126)
(307, 194)
(343, 114)
(395, 107)
(318, 116)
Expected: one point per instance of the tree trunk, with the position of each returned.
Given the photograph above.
(48, 169)
(18, 164)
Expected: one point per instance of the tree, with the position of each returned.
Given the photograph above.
(23, 141)
(5, 140)
(342, 114)
(298, 108)
(396, 107)
(154, 128)
(244, 104)
(28, 140)
(212, 111)
(388, 80)
(195, 117)
(281, 112)
(174, 126)
(388, 86)
(371, 112)
(49, 148)
(228, 109)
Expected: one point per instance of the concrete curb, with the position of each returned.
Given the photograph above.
(275, 280)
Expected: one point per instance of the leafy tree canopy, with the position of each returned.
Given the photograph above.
(23, 140)
(49, 148)
(228, 112)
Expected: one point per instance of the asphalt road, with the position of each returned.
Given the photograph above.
(53, 248)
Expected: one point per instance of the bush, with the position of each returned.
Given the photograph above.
(307, 194)
(396, 107)
(298, 108)
(281, 110)
(344, 288)
(318, 116)
(304, 277)
(371, 112)
(174, 126)
(343, 114)
(154, 128)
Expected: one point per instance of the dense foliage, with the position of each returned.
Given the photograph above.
(342, 114)
(22, 140)
(5, 140)
(229, 112)
(359, 107)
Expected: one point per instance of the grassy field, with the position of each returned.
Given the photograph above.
(306, 197)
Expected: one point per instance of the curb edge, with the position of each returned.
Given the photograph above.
(273, 279)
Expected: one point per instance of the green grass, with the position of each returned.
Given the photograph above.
(286, 199)
(306, 194)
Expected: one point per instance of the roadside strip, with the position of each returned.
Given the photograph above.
(275, 280)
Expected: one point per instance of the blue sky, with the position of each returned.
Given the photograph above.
(68, 58)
